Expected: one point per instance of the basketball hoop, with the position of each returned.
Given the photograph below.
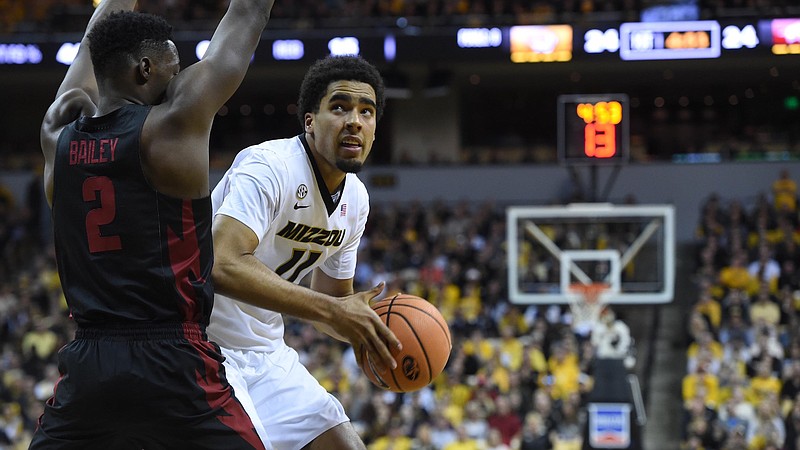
(586, 302)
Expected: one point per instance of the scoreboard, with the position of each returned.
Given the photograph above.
(508, 45)
(670, 40)
(593, 129)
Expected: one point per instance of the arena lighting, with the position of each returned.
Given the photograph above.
(726, 39)
(791, 103)
(540, 43)
(201, 48)
(21, 54)
(288, 50)
(479, 37)
(348, 45)
(672, 11)
(67, 52)
(389, 48)
(785, 36)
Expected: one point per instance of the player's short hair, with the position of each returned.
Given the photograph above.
(335, 68)
(124, 36)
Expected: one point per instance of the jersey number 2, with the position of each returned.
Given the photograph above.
(100, 189)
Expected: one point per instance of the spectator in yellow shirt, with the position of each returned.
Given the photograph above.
(784, 193)
(395, 438)
(736, 276)
(564, 372)
(706, 349)
(510, 349)
(701, 383)
(534, 358)
(765, 384)
(478, 346)
(765, 309)
(710, 308)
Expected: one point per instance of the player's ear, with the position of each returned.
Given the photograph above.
(309, 123)
(143, 70)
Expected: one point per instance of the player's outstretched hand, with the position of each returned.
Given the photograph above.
(362, 327)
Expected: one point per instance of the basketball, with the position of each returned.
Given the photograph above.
(425, 336)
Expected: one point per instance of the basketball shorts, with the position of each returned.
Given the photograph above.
(145, 388)
(277, 390)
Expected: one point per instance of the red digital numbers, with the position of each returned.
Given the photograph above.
(600, 131)
(600, 140)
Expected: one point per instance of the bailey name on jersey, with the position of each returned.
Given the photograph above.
(92, 151)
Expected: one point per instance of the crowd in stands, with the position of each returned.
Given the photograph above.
(517, 377)
(741, 389)
(70, 15)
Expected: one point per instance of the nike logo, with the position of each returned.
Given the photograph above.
(299, 206)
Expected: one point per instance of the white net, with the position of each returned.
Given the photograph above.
(586, 301)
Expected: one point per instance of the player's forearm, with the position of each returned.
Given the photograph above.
(239, 32)
(257, 9)
(105, 8)
(220, 72)
(249, 281)
(327, 329)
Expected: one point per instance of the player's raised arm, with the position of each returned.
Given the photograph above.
(78, 93)
(176, 135)
(205, 86)
(80, 74)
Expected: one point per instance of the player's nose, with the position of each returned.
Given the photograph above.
(354, 120)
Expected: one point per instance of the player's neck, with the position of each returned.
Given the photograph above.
(115, 94)
(333, 182)
(331, 175)
(111, 103)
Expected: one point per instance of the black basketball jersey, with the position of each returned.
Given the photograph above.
(125, 252)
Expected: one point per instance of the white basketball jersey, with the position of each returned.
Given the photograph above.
(275, 190)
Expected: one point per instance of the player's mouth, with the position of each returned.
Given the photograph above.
(352, 144)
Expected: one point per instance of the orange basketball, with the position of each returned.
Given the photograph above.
(426, 343)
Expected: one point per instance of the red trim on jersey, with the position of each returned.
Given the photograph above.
(184, 258)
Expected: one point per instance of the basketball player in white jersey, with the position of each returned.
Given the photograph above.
(284, 209)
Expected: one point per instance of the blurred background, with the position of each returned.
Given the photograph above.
(484, 113)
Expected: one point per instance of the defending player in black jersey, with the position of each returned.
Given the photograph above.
(126, 176)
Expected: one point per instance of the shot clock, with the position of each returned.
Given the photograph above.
(593, 129)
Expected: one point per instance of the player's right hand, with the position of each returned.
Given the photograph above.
(360, 325)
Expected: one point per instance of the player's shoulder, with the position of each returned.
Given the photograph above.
(271, 152)
(273, 148)
(359, 188)
(356, 194)
(67, 108)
